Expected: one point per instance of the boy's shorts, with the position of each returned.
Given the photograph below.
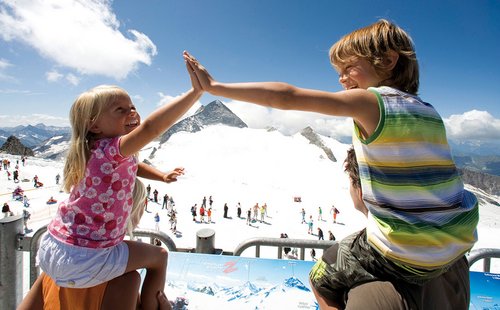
(342, 277)
(79, 267)
(338, 271)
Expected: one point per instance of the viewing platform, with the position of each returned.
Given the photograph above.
(204, 275)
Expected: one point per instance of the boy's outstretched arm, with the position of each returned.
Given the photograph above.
(359, 104)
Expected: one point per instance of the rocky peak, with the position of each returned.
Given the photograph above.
(14, 146)
(315, 139)
(487, 182)
(213, 113)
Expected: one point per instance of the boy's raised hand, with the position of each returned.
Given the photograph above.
(205, 80)
(192, 75)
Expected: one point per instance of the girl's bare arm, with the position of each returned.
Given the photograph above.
(149, 172)
(161, 119)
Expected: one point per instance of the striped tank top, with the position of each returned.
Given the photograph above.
(420, 214)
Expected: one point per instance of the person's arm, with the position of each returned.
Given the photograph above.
(360, 104)
(149, 172)
(161, 119)
(34, 298)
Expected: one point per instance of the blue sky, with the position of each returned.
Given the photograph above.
(50, 51)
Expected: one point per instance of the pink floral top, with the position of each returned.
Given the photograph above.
(96, 212)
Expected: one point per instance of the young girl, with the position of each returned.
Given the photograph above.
(420, 218)
(84, 245)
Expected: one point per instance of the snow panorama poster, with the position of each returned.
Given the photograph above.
(202, 281)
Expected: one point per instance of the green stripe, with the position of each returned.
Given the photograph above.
(462, 225)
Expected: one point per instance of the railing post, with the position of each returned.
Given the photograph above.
(11, 262)
(205, 241)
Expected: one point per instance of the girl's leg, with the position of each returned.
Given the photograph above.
(122, 292)
(154, 259)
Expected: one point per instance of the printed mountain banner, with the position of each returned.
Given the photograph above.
(202, 281)
(485, 291)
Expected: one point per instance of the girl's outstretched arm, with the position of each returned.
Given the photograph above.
(161, 119)
(149, 172)
(359, 104)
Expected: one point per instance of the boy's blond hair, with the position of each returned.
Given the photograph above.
(373, 43)
(86, 109)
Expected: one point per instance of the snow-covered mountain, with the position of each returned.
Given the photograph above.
(32, 136)
(52, 142)
(474, 147)
(212, 114)
(53, 148)
(291, 291)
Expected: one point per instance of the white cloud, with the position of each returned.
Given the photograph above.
(167, 98)
(164, 99)
(291, 122)
(72, 79)
(81, 35)
(15, 91)
(137, 98)
(4, 65)
(472, 125)
(33, 119)
(53, 76)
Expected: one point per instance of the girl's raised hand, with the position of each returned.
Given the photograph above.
(204, 78)
(172, 175)
(192, 75)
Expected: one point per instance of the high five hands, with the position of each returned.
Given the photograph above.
(196, 70)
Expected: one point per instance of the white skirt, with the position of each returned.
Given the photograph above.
(79, 267)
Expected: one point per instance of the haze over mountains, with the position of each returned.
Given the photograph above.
(51, 142)
(33, 136)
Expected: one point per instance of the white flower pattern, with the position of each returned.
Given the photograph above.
(106, 168)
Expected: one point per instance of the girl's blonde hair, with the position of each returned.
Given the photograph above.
(373, 43)
(139, 197)
(86, 109)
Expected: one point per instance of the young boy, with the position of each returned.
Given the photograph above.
(339, 280)
(420, 219)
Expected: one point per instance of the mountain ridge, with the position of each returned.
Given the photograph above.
(213, 113)
(32, 135)
(482, 172)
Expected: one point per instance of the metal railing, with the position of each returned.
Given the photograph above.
(11, 262)
(483, 254)
(11, 268)
(281, 243)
